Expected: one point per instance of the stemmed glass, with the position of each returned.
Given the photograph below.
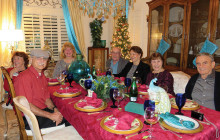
(61, 80)
(70, 78)
(109, 72)
(111, 97)
(127, 83)
(151, 117)
(138, 81)
(148, 103)
(88, 84)
(118, 95)
(155, 97)
(180, 102)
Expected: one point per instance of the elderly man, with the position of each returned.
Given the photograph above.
(116, 63)
(32, 84)
(204, 87)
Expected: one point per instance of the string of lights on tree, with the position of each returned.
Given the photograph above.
(121, 37)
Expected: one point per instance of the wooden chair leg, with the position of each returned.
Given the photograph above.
(6, 122)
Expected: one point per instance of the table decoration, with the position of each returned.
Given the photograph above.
(90, 104)
(189, 105)
(121, 123)
(103, 84)
(158, 94)
(180, 123)
(67, 93)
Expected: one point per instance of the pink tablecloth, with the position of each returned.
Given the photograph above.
(89, 127)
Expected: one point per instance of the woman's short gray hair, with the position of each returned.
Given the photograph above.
(205, 54)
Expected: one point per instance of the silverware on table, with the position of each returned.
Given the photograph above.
(91, 113)
(127, 137)
(170, 131)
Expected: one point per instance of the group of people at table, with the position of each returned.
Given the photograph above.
(32, 83)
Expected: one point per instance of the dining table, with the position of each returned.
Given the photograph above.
(88, 124)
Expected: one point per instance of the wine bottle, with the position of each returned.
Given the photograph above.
(133, 90)
(94, 74)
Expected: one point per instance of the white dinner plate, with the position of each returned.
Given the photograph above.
(175, 30)
(176, 14)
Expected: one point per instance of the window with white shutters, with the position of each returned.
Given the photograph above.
(39, 28)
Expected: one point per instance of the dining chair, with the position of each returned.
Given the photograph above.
(24, 134)
(180, 81)
(67, 133)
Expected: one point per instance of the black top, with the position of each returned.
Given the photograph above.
(142, 70)
(190, 85)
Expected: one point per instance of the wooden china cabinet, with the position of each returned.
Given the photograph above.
(185, 25)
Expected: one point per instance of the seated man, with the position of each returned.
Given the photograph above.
(116, 63)
(32, 84)
(204, 87)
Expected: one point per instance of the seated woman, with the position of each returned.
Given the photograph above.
(68, 54)
(135, 68)
(20, 63)
(164, 78)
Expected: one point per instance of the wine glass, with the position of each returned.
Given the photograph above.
(148, 103)
(155, 97)
(127, 83)
(109, 72)
(118, 95)
(138, 81)
(151, 117)
(111, 97)
(88, 84)
(70, 78)
(61, 80)
(180, 102)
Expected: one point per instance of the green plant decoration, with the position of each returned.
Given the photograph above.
(96, 32)
(102, 86)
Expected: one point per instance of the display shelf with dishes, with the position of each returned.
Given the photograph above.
(136, 126)
(89, 108)
(67, 95)
(198, 127)
(189, 105)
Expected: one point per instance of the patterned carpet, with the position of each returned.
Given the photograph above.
(13, 130)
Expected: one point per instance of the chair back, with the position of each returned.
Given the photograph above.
(23, 105)
(23, 134)
(180, 81)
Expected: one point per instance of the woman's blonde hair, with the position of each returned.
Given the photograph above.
(65, 45)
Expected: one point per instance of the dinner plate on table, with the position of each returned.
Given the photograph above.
(66, 95)
(90, 108)
(53, 82)
(189, 105)
(181, 129)
(136, 126)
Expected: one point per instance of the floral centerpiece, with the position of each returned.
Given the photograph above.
(102, 86)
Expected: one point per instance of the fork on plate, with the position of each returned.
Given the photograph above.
(170, 131)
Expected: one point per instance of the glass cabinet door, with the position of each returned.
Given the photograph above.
(156, 28)
(217, 39)
(198, 29)
(175, 34)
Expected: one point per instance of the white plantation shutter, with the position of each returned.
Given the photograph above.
(38, 28)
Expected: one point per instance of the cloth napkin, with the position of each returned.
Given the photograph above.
(122, 120)
(176, 120)
(135, 108)
(70, 90)
(90, 101)
(143, 88)
(52, 80)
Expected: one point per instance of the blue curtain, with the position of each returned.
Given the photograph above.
(126, 8)
(69, 27)
(19, 8)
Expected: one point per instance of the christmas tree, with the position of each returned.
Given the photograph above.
(121, 37)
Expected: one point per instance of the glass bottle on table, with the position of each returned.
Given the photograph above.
(133, 90)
